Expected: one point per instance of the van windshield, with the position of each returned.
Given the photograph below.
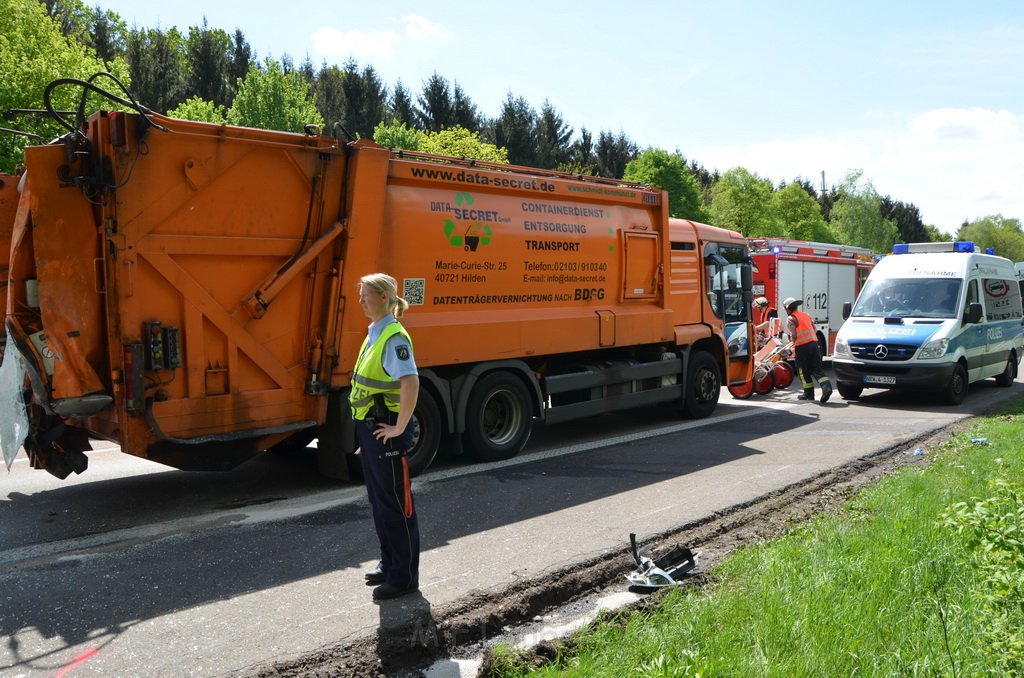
(908, 297)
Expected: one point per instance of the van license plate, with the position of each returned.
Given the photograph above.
(878, 379)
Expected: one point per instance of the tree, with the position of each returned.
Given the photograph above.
(72, 17)
(435, 110)
(798, 215)
(199, 109)
(1004, 236)
(33, 53)
(269, 98)
(464, 112)
(242, 58)
(398, 135)
(515, 131)
(613, 153)
(741, 201)
(328, 91)
(365, 99)
(908, 220)
(108, 36)
(582, 159)
(159, 68)
(553, 138)
(461, 143)
(208, 52)
(400, 108)
(668, 171)
(856, 217)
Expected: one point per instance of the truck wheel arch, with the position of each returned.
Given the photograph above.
(463, 387)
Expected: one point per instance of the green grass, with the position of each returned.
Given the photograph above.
(921, 574)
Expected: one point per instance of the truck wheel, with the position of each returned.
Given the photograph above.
(956, 389)
(703, 383)
(1009, 373)
(498, 417)
(849, 392)
(426, 435)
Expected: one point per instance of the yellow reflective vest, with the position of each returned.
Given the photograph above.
(369, 377)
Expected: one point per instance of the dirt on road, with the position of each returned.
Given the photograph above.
(418, 636)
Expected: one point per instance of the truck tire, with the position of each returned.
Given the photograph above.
(427, 433)
(956, 389)
(849, 392)
(498, 417)
(1009, 373)
(702, 386)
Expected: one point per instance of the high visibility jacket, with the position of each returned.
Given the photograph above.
(369, 377)
(764, 314)
(804, 329)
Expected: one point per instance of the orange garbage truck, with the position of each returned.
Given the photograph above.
(190, 292)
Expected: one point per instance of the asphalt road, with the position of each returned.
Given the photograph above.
(134, 569)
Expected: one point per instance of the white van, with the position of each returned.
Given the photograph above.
(932, 316)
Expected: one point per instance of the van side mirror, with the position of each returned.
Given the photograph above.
(973, 314)
(847, 308)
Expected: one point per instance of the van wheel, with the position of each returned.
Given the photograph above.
(426, 437)
(1009, 373)
(498, 417)
(956, 390)
(849, 392)
(703, 384)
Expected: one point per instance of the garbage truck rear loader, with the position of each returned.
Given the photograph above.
(189, 291)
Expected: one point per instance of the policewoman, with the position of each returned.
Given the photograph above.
(808, 355)
(385, 385)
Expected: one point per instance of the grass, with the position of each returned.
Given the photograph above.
(921, 574)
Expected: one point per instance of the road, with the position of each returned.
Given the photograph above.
(134, 569)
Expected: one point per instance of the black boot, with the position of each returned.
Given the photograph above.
(808, 394)
(826, 391)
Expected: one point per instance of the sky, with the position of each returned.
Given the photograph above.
(924, 98)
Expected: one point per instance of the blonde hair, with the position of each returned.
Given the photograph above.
(382, 283)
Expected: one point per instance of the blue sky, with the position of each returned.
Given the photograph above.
(926, 98)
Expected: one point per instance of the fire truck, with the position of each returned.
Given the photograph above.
(824, 275)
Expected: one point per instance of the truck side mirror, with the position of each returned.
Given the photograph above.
(847, 308)
(973, 314)
(747, 280)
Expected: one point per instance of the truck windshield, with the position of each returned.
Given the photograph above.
(908, 297)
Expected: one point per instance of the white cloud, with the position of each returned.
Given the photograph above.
(953, 164)
(331, 42)
(420, 28)
(328, 42)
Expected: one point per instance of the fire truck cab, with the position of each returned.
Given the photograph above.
(823, 275)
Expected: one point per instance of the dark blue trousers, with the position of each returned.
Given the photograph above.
(394, 516)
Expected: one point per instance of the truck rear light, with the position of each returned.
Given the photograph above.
(134, 390)
(154, 345)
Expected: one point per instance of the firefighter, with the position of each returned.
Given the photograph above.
(385, 386)
(763, 314)
(808, 355)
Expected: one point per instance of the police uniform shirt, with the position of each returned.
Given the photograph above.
(397, 356)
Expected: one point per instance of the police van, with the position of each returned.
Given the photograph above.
(932, 316)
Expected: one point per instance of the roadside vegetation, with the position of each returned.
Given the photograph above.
(919, 574)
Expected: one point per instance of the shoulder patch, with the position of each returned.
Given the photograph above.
(402, 351)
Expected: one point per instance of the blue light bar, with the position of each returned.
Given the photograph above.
(964, 246)
(776, 249)
(990, 250)
(900, 248)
